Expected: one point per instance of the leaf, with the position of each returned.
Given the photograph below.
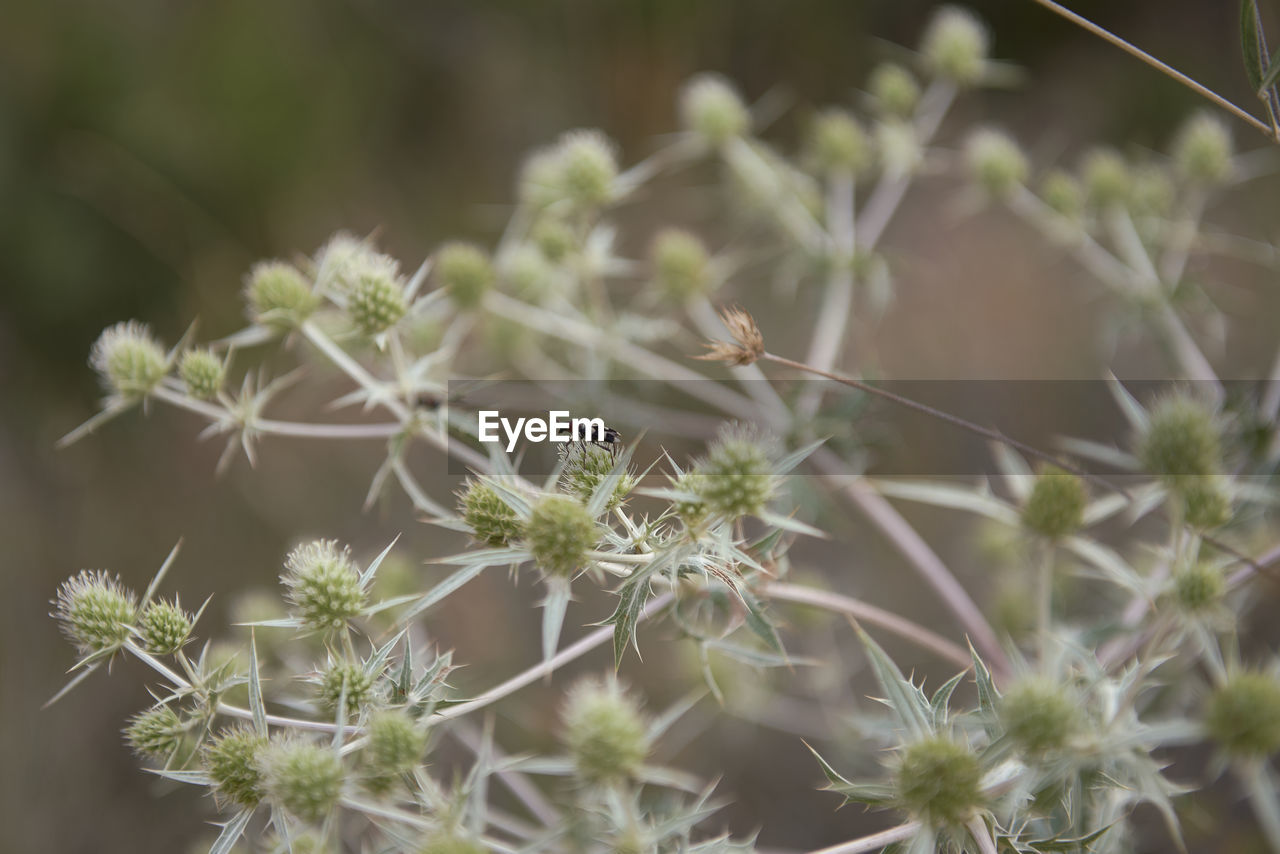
(367, 575)
(794, 458)
(443, 589)
(160, 574)
(1079, 843)
(952, 497)
(758, 622)
(66, 689)
(631, 599)
(553, 610)
(1250, 43)
(191, 778)
(903, 697)
(674, 712)
(231, 832)
(942, 697)
(1272, 74)
(255, 689)
(987, 693)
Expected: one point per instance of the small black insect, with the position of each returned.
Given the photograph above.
(608, 438)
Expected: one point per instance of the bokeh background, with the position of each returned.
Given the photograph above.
(150, 152)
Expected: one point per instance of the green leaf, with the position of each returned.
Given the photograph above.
(367, 575)
(903, 697)
(255, 689)
(1250, 43)
(987, 694)
(1272, 74)
(443, 589)
(942, 697)
(631, 599)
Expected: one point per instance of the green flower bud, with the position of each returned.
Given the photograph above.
(232, 761)
(838, 144)
(955, 45)
(1206, 504)
(554, 238)
(996, 161)
(491, 520)
(344, 677)
(164, 627)
(604, 731)
(1197, 589)
(939, 781)
(559, 533)
(396, 744)
(1038, 716)
(278, 295)
(736, 476)
(1152, 191)
(526, 273)
(156, 733)
(450, 842)
(95, 611)
(202, 372)
(1244, 715)
(693, 509)
(711, 108)
(323, 585)
(303, 778)
(1182, 441)
(129, 360)
(681, 265)
(465, 272)
(585, 468)
(376, 297)
(895, 90)
(1055, 507)
(588, 169)
(539, 185)
(1202, 151)
(899, 147)
(1106, 178)
(1062, 192)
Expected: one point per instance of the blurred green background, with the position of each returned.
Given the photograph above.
(150, 152)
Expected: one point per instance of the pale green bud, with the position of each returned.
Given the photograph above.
(203, 373)
(129, 359)
(713, 109)
(955, 45)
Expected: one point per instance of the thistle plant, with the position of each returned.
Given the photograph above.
(315, 725)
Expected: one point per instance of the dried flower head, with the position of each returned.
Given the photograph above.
(747, 345)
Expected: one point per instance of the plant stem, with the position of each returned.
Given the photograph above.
(1263, 797)
(859, 610)
(1163, 68)
(874, 842)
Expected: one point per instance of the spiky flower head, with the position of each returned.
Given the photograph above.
(376, 300)
(690, 507)
(586, 467)
(711, 108)
(1244, 715)
(681, 265)
(344, 679)
(554, 238)
(604, 731)
(939, 781)
(156, 733)
(453, 841)
(1202, 151)
(838, 144)
(129, 359)
(323, 585)
(898, 143)
(1206, 503)
(202, 372)
(996, 162)
(955, 45)
(95, 611)
(527, 274)
(1107, 178)
(736, 476)
(747, 345)
(1038, 716)
(303, 778)
(232, 762)
(278, 295)
(559, 533)
(490, 518)
(1055, 507)
(588, 169)
(1182, 441)
(465, 272)
(1062, 192)
(396, 744)
(164, 627)
(1197, 589)
(894, 89)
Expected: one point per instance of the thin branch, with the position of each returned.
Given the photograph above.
(1163, 68)
(874, 842)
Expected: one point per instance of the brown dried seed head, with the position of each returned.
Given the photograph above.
(747, 345)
